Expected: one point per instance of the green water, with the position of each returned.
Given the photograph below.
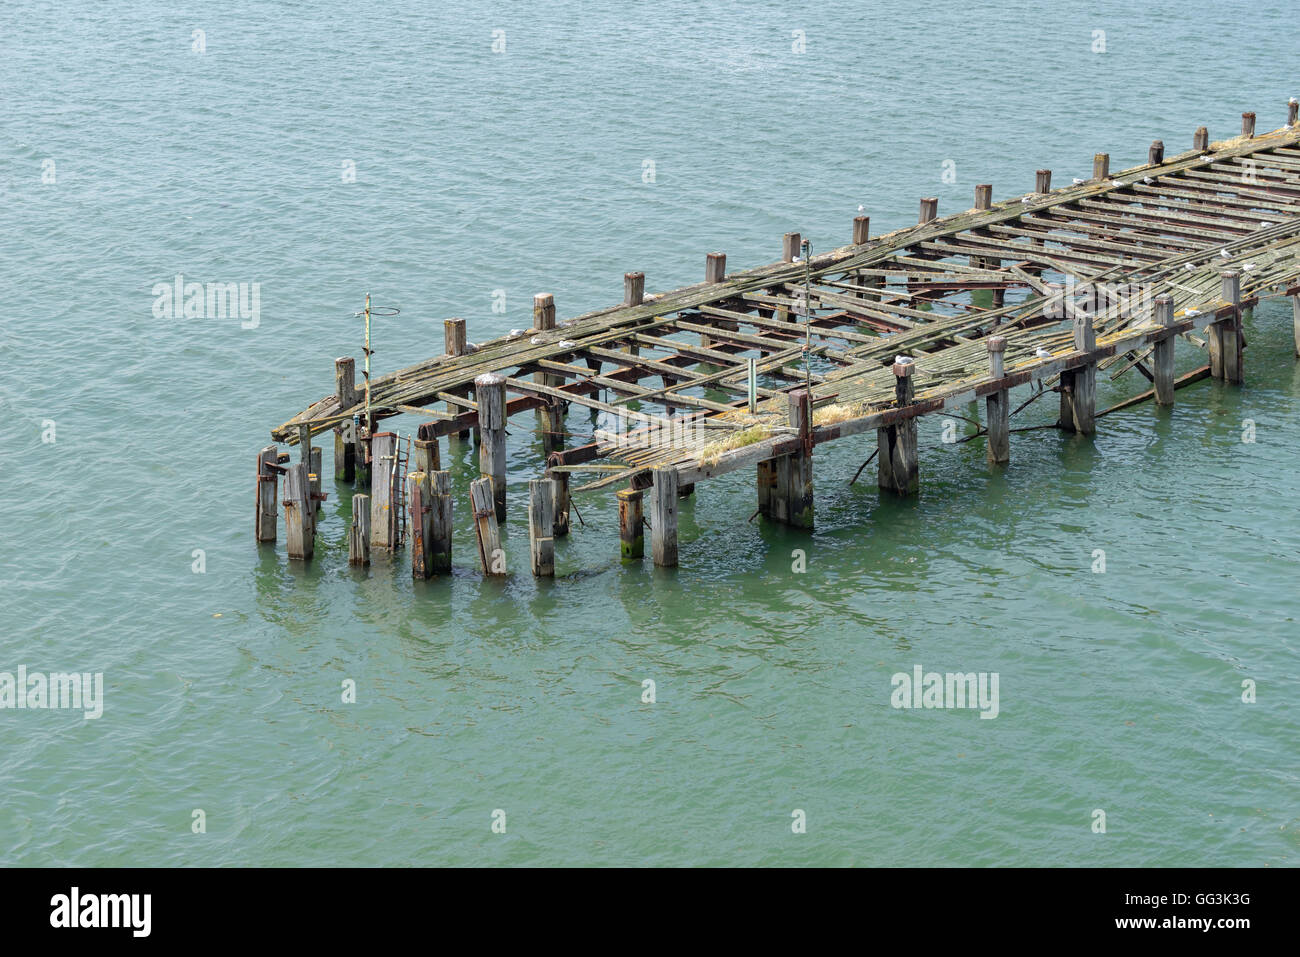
(523, 171)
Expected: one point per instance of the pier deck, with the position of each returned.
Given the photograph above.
(1050, 286)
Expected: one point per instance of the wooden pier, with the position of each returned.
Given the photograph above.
(756, 368)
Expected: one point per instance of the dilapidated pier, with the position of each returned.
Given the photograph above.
(756, 368)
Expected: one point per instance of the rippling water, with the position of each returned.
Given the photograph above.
(522, 171)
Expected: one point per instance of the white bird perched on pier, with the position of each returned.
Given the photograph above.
(1265, 225)
(1225, 254)
(903, 360)
(515, 333)
(1188, 266)
(1116, 182)
(1148, 180)
(1247, 265)
(537, 340)
(567, 344)
(1042, 353)
(1077, 181)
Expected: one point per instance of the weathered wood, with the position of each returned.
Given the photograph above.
(361, 456)
(359, 531)
(1100, 166)
(898, 468)
(316, 478)
(543, 312)
(929, 210)
(663, 517)
(1295, 321)
(1043, 181)
(715, 267)
(541, 541)
(345, 442)
(633, 288)
(790, 247)
(455, 343)
(1225, 335)
(427, 457)
(1079, 385)
(491, 392)
(1201, 139)
(984, 196)
(560, 508)
(440, 522)
(631, 524)
(268, 480)
(792, 499)
(1156, 154)
(861, 229)
(1247, 124)
(1292, 111)
(998, 407)
(766, 486)
(419, 500)
(492, 559)
(383, 492)
(299, 525)
(1162, 353)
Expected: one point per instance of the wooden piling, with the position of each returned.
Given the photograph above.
(997, 407)
(419, 495)
(898, 467)
(299, 524)
(490, 390)
(715, 267)
(1201, 139)
(1079, 385)
(541, 543)
(1162, 353)
(1043, 181)
(268, 480)
(1248, 124)
(1156, 154)
(633, 288)
(792, 499)
(631, 530)
(929, 209)
(345, 439)
(490, 555)
(1292, 111)
(440, 522)
(984, 196)
(766, 484)
(560, 508)
(861, 229)
(315, 475)
(663, 516)
(1225, 338)
(383, 492)
(1100, 166)
(543, 312)
(1295, 322)
(359, 531)
(455, 343)
(427, 458)
(790, 247)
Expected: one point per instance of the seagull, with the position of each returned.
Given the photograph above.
(903, 360)
(1077, 181)
(567, 344)
(537, 340)
(1116, 182)
(1188, 266)
(1265, 225)
(1225, 254)
(861, 208)
(1147, 179)
(1042, 353)
(515, 333)
(1191, 312)
(1248, 266)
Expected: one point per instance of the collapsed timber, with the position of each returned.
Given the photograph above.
(757, 368)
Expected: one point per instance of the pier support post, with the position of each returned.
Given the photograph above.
(299, 522)
(766, 486)
(268, 480)
(663, 517)
(440, 522)
(792, 499)
(490, 556)
(631, 533)
(455, 343)
(345, 437)
(359, 531)
(861, 229)
(541, 543)
(1079, 385)
(427, 458)
(715, 271)
(419, 500)
(550, 415)
(899, 468)
(361, 452)
(1248, 125)
(1201, 139)
(383, 493)
(316, 479)
(1162, 353)
(1156, 154)
(1295, 321)
(790, 247)
(1043, 181)
(490, 390)
(997, 407)
(633, 288)
(1100, 166)
(1225, 335)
